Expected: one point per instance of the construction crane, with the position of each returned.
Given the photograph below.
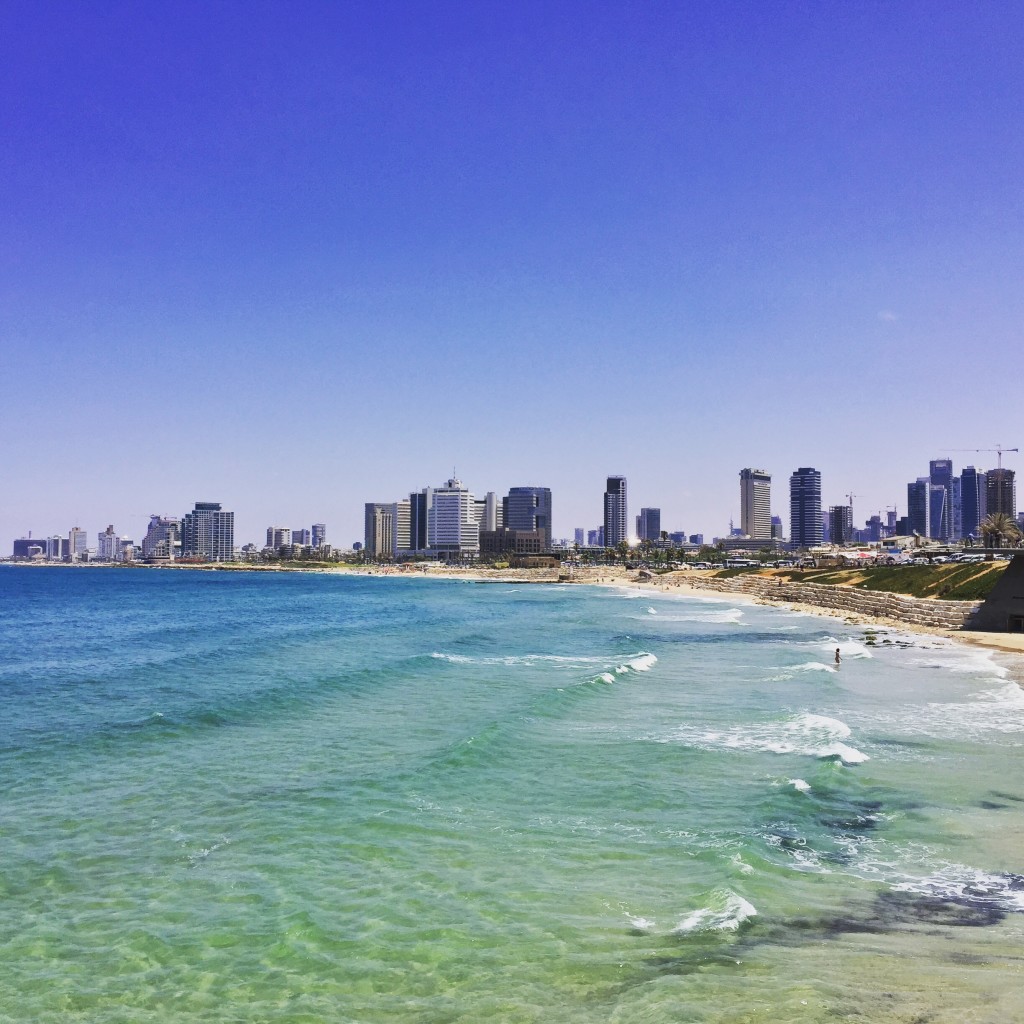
(999, 449)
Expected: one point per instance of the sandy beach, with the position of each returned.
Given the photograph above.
(682, 583)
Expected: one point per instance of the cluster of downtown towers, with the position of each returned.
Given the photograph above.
(206, 534)
(450, 521)
(942, 506)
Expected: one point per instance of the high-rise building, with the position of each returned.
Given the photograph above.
(78, 543)
(1000, 492)
(940, 474)
(972, 490)
(696, 538)
(873, 528)
(938, 511)
(163, 538)
(805, 508)
(777, 531)
(616, 515)
(279, 537)
(208, 532)
(401, 519)
(108, 546)
(648, 524)
(302, 536)
(529, 508)
(319, 535)
(756, 504)
(919, 508)
(580, 535)
(840, 524)
(452, 525)
(378, 530)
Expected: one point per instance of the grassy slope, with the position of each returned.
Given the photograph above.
(944, 582)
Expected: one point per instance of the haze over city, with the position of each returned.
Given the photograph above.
(294, 259)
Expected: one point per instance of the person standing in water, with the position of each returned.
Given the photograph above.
(838, 659)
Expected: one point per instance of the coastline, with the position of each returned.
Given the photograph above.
(679, 583)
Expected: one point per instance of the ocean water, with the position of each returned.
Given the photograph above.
(296, 797)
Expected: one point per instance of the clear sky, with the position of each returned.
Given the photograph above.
(294, 257)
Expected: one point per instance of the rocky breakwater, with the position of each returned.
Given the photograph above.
(846, 601)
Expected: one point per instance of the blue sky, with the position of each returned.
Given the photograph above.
(296, 257)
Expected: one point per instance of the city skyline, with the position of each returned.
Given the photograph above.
(943, 506)
(277, 270)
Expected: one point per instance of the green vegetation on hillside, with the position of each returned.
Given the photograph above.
(956, 582)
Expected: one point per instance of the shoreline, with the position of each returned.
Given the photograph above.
(678, 583)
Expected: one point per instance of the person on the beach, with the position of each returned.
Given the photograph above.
(838, 659)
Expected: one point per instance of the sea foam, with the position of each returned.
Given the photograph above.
(808, 734)
(725, 911)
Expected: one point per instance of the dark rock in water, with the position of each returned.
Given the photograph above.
(853, 823)
(990, 805)
(966, 911)
(1007, 796)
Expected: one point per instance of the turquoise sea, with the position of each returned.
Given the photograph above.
(297, 797)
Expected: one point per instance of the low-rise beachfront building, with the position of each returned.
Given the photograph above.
(504, 541)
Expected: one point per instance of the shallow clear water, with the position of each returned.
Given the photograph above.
(289, 797)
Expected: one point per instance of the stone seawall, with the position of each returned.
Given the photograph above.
(909, 611)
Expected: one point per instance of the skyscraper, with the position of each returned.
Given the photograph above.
(208, 532)
(756, 503)
(163, 538)
(108, 546)
(938, 511)
(840, 524)
(919, 506)
(78, 543)
(378, 529)
(1000, 492)
(278, 537)
(940, 474)
(418, 502)
(972, 487)
(319, 535)
(529, 508)
(805, 508)
(648, 524)
(401, 523)
(616, 517)
(452, 525)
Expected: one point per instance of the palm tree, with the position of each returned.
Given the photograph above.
(999, 527)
